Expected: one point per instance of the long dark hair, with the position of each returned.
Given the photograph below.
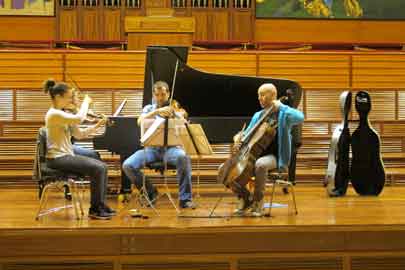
(55, 88)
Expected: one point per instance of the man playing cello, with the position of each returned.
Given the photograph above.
(276, 155)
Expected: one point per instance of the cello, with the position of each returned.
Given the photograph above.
(236, 171)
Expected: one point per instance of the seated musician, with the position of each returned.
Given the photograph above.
(174, 155)
(61, 126)
(278, 153)
(73, 108)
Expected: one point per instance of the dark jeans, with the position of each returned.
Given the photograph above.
(97, 170)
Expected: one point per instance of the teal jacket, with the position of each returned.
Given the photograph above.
(287, 117)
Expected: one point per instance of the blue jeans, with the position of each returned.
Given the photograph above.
(174, 156)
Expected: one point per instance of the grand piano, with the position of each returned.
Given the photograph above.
(221, 103)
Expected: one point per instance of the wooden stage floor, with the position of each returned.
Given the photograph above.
(351, 232)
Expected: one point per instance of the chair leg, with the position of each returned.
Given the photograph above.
(293, 197)
(144, 193)
(198, 177)
(43, 200)
(78, 197)
(272, 197)
(70, 184)
(167, 193)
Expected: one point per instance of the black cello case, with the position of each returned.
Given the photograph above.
(367, 168)
(337, 174)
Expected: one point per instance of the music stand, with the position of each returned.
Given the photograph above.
(160, 132)
(195, 142)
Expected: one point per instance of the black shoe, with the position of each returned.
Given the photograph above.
(109, 210)
(187, 204)
(98, 213)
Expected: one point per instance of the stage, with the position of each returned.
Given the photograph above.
(352, 232)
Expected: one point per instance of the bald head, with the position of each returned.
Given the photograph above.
(266, 93)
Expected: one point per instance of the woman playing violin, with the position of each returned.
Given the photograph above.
(90, 119)
(172, 155)
(61, 126)
(277, 154)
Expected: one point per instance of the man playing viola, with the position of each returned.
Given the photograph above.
(277, 154)
(174, 155)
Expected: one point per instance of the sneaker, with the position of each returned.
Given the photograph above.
(243, 205)
(98, 213)
(257, 208)
(187, 204)
(109, 210)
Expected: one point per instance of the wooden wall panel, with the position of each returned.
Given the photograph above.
(134, 101)
(27, 28)
(401, 105)
(379, 71)
(310, 70)
(241, 25)
(107, 70)
(218, 25)
(112, 24)
(28, 70)
(397, 129)
(322, 104)
(391, 145)
(332, 263)
(24, 128)
(201, 24)
(315, 128)
(31, 104)
(6, 104)
(139, 41)
(239, 64)
(347, 31)
(90, 25)
(157, 3)
(35, 265)
(68, 24)
(102, 101)
(387, 262)
(132, 12)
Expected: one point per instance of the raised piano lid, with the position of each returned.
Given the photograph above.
(220, 102)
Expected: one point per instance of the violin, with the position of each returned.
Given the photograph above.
(177, 110)
(74, 107)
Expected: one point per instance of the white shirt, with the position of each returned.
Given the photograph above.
(61, 126)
